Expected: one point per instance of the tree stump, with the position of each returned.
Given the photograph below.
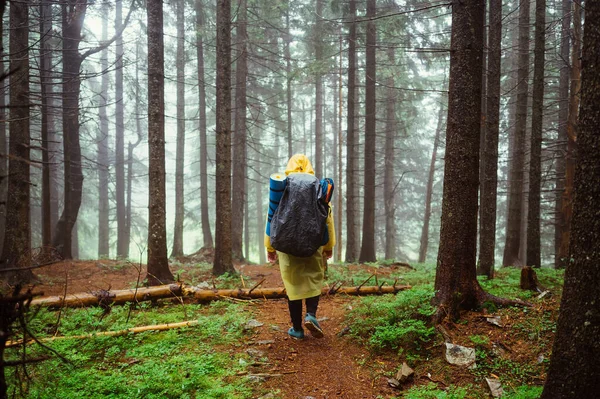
(529, 280)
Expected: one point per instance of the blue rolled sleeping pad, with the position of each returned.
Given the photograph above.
(277, 183)
(326, 194)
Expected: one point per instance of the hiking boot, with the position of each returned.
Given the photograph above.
(296, 334)
(312, 325)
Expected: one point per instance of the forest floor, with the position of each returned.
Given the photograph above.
(344, 364)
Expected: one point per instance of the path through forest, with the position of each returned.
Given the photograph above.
(331, 367)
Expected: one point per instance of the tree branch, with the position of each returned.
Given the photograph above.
(112, 40)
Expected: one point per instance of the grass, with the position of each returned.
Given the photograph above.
(202, 273)
(205, 361)
(393, 321)
(401, 324)
(182, 363)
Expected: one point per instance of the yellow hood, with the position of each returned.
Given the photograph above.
(299, 163)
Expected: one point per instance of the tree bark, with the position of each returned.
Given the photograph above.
(351, 143)
(180, 151)
(131, 146)
(572, 146)
(239, 149)
(158, 265)
(223, 260)
(260, 230)
(122, 244)
(424, 243)
(17, 239)
(574, 366)
(3, 142)
(73, 15)
(367, 250)
(340, 162)
(484, 72)
(102, 142)
(489, 183)
(119, 297)
(458, 236)
(535, 159)
(288, 74)
(75, 241)
(46, 90)
(515, 194)
(563, 116)
(318, 40)
(206, 232)
(388, 178)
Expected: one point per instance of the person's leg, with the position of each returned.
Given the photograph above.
(310, 321)
(296, 313)
(312, 304)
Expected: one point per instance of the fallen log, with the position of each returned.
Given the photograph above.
(118, 297)
(132, 330)
(109, 297)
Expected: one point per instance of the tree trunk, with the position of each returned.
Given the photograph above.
(288, 74)
(458, 236)
(75, 241)
(17, 239)
(206, 232)
(563, 115)
(351, 143)
(178, 290)
(73, 14)
(102, 141)
(122, 244)
(367, 250)
(132, 146)
(567, 199)
(424, 243)
(158, 265)
(55, 143)
(511, 109)
(223, 260)
(388, 179)
(46, 90)
(239, 149)
(484, 72)
(3, 144)
(340, 163)
(515, 194)
(180, 152)
(489, 183)
(260, 231)
(574, 366)
(318, 41)
(535, 159)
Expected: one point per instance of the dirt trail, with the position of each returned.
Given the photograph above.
(331, 367)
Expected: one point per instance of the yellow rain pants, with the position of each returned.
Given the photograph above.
(303, 277)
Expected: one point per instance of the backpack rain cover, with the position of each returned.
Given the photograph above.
(300, 221)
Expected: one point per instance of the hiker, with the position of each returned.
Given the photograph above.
(303, 276)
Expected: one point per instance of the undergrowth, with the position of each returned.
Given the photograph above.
(399, 322)
(402, 323)
(178, 363)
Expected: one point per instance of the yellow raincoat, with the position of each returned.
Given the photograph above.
(303, 277)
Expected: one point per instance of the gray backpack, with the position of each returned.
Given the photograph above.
(299, 224)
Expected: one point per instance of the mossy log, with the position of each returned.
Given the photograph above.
(118, 297)
(103, 297)
(132, 330)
